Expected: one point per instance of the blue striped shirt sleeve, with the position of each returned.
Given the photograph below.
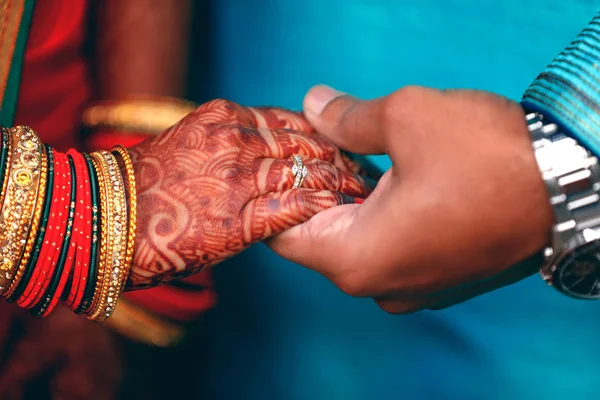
(568, 91)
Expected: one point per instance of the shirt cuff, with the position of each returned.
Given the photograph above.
(568, 91)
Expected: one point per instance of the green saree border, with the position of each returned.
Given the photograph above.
(14, 30)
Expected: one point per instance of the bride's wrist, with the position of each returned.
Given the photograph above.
(67, 225)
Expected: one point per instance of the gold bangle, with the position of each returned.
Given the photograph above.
(117, 231)
(140, 113)
(103, 236)
(121, 267)
(18, 207)
(132, 214)
(6, 166)
(33, 231)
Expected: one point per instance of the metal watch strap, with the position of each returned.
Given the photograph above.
(572, 175)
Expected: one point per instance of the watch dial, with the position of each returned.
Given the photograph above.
(579, 273)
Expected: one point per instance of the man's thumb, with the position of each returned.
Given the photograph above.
(352, 124)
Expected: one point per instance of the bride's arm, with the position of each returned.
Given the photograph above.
(142, 47)
(223, 178)
(140, 54)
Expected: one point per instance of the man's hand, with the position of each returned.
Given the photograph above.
(462, 206)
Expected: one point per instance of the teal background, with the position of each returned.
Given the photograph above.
(283, 332)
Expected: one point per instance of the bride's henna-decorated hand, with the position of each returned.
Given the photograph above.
(220, 180)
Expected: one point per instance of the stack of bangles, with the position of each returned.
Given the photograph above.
(67, 225)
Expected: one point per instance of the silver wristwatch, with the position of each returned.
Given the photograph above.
(572, 177)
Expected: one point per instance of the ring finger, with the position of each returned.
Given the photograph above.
(284, 143)
(278, 175)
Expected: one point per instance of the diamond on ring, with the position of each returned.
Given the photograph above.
(299, 171)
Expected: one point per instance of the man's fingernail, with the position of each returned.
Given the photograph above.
(318, 97)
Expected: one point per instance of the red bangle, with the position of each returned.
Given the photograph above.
(83, 255)
(43, 265)
(82, 231)
(67, 261)
(53, 236)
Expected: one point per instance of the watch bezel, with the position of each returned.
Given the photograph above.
(553, 269)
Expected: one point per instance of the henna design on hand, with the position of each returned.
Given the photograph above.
(220, 180)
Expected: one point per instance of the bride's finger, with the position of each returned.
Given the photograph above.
(279, 118)
(284, 143)
(226, 112)
(273, 213)
(275, 175)
(284, 132)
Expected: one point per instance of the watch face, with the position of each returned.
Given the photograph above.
(578, 274)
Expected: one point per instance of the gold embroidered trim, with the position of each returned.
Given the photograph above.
(11, 12)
